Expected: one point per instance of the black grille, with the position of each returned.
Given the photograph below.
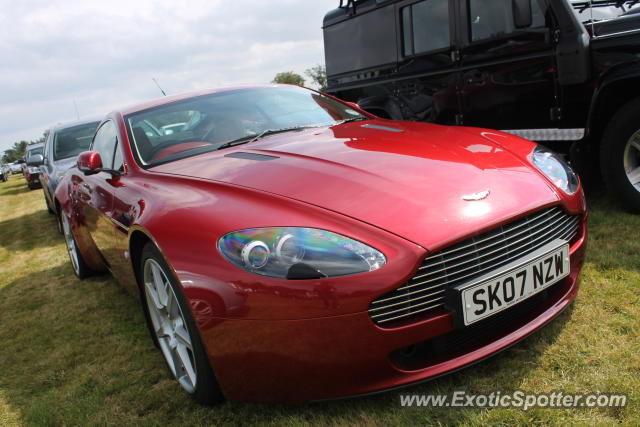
(470, 259)
(469, 338)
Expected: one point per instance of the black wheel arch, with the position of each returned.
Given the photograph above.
(616, 88)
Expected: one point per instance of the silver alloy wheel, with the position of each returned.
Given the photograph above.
(169, 325)
(632, 160)
(71, 243)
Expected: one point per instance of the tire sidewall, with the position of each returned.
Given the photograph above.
(617, 134)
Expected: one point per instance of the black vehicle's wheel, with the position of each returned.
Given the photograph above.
(620, 155)
(80, 268)
(173, 329)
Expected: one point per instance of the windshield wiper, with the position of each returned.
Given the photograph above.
(267, 132)
(233, 143)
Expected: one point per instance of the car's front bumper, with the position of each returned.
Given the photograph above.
(332, 357)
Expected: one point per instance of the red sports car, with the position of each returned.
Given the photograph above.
(289, 247)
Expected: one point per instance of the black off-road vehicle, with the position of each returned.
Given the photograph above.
(547, 70)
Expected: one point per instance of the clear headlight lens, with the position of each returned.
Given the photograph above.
(33, 169)
(298, 253)
(555, 169)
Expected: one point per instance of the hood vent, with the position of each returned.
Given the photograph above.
(251, 156)
(388, 129)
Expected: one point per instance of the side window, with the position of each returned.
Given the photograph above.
(425, 26)
(45, 151)
(105, 143)
(494, 18)
(118, 162)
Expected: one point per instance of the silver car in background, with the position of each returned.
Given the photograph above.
(63, 144)
(5, 171)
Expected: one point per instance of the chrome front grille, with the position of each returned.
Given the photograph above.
(470, 259)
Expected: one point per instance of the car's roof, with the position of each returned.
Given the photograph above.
(61, 126)
(174, 98)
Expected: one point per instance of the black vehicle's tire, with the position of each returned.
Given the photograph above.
(205, 389)
(79, 266)
(621, 135)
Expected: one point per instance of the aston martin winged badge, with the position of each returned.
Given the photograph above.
(476, 196)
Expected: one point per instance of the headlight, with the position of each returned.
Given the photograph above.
(555, 169)
(33, 170)
(297, 253)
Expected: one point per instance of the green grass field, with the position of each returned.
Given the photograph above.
(78, 353)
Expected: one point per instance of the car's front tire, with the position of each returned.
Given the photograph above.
(80, 268)
(173, 329)
(620, 155)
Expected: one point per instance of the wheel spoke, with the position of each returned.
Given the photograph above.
(634, 176)
(172, 306)
(183, 336)
(167, 351)
(159, 285)
(177, 362)
(185, 359)
(161, 330)
(635, 143)
(153, 294)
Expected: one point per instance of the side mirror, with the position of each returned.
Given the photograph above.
(522, 17)
(89, 162)
(353, 105)
(35, 160)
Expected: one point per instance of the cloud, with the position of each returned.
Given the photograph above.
(103, 56)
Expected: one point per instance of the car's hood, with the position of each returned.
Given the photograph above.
(410, 179)
(65, 164)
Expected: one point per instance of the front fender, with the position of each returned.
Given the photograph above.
(192, 215)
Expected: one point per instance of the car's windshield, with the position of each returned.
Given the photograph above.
(34, 151)
(71, 141)
(602, 10)
(192, 126)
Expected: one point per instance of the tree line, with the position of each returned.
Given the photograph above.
(317, 74)
(19, 148)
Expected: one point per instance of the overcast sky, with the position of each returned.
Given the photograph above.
(103, 55)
